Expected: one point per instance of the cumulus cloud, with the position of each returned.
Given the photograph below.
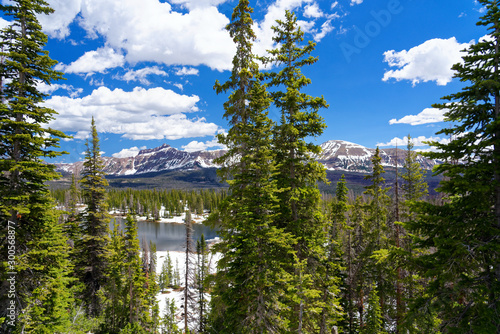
(430, 61)
(151, 30)
(139, 114)
(56, 25)
(417, 141)
(141, 74)
(276, 11)
(94, 61)
(186, 71)
(81, 135)
(313, 11)
(128, 152)
(428, 115)
(195, 146)
(356, 2)
(158, 31)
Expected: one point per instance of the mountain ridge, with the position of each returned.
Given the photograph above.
(336, 155)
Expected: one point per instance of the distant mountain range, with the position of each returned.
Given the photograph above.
(337, 155)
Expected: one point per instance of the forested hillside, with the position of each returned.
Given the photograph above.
(381, 256)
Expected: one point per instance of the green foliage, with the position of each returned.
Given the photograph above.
(134, 328)
(414, 186)
(26, 139)
(203, 271)
(189, 276)
(460, 235)
(374, 321)
(250, 281)
(41, 262)
(92, 247)
(129, 294)
(332, 277)
(168, 323)
(377, 232)
(299, 211)
(45, 306)
(166, 277)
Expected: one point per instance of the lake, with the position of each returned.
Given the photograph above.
(168, 236)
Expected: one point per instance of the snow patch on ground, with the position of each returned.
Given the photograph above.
(179, 261)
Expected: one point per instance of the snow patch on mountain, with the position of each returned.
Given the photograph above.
(336, 155)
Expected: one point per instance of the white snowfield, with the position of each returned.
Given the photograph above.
(179, 258)
(198, 219)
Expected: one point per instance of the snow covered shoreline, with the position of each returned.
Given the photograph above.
(198, 219)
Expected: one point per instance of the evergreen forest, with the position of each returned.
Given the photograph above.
(290, 259)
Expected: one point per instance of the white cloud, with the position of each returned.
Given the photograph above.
(313, 11)
(326, 27)
(49, 89)
(198, 3)
(81, 135)
(430, 61)
(151, 30)
(94, 61)
(186, 71)
(428, 115)
(3, 23)
(195, 146)
(276, 11)
(417, 141)
(178, 85)
(56, 25)
(141, 74)
(156, 31)
(96, 82)
(127, 152)
(140, 114)
(356, 2)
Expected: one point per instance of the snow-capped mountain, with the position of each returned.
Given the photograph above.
(153, 160)
(336, 155)
(346, 156)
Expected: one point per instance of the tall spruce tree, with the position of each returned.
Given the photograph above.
(94, 241)
(115, 310)
(331, 278)
(26, 208)
(462, 235)
(130, 303)
(357, 265)
(250, 280)
(189, 276)
(414, 189)
(414, 186)
(374, 317)
(298, 173)
(378, 234)
(203, 271)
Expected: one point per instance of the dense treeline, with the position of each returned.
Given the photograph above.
(388, 261)
(149, 203)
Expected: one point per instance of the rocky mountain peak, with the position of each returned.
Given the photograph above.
(336, 155)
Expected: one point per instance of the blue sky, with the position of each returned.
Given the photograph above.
(145, 68)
